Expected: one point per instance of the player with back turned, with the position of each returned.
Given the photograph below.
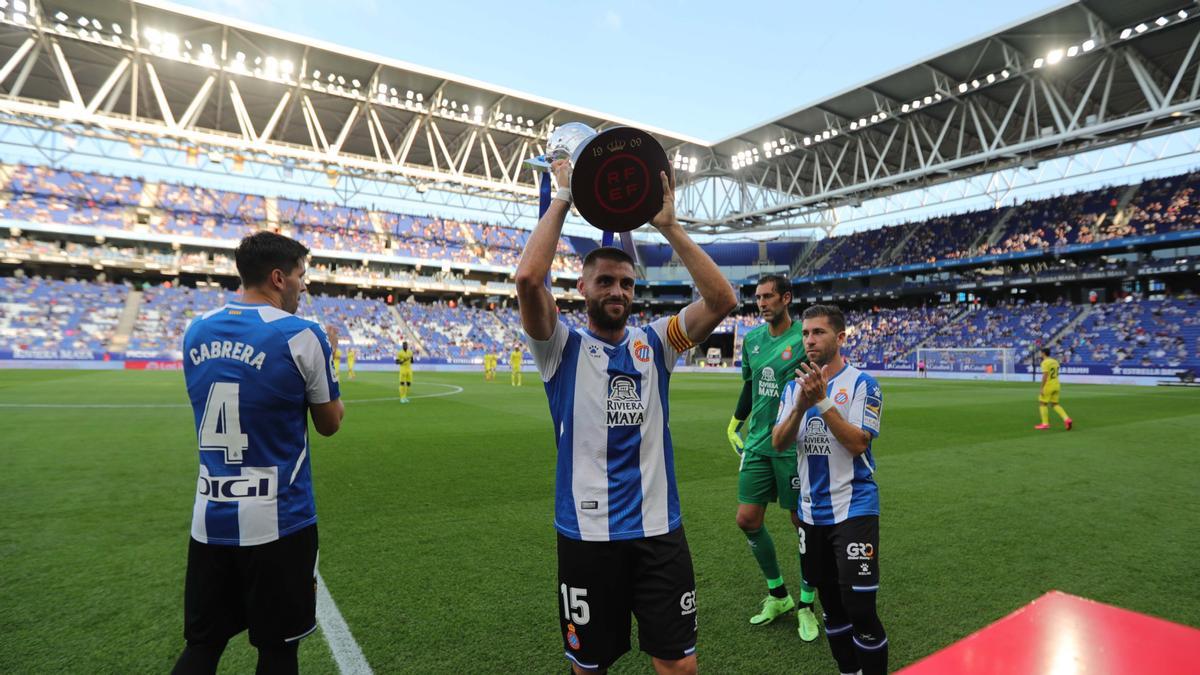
(1050, 392)
(255, 372)
(831, 411)
(621, 545)
(770, 355)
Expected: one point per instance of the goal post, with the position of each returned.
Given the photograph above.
(969, 362)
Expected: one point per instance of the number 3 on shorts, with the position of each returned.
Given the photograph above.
(575, 607)
(800, 531)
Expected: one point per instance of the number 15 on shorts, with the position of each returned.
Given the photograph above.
(575, 606)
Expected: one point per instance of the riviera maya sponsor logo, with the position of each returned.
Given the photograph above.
(624, 407)
(767, 384)
(816, 437)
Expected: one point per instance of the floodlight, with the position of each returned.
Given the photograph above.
(1161, 21)
(1141, 28)
(1054, 56)
(991, 78)
(1037, 63)
(904, 108)
(1004, 73)
(355, 83)
(1182, 14)
(116, 28)
(20, 6)
(1089, 45)
(962, 88)
(61, 16)
(1126, 33)
(1072, 51)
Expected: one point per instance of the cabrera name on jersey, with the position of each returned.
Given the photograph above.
(835, 484)
(615, 476)
(251, 372)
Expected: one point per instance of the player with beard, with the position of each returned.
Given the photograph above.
(831, 412)
(621, 546)
(770, 355)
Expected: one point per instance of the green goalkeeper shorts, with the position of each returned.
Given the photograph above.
(763, 479)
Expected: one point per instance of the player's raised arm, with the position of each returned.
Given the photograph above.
(535, 301)
(716, 295)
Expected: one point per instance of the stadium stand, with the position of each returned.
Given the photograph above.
(84, 314)
(44, 195)
(50, 315)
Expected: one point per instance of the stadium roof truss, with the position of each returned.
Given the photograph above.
(1078, 77)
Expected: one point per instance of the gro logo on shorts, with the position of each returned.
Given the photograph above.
(687, 603)
(855, 551)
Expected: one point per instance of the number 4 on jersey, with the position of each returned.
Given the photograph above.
(221, 427)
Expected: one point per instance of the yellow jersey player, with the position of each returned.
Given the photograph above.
(404, 357)
(514, 360)
(1050, 392)
(350, 362)
(489, 367)
(337, 360)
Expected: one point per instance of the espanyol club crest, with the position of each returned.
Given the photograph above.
(787, 353)
(572, 637)
(841, 397)
(641, 351)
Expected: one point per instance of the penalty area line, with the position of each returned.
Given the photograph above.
(346, 653)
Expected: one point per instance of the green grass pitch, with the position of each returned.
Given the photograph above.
(436, 535)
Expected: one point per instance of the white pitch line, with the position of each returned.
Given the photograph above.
(454, 389)
(346, 652)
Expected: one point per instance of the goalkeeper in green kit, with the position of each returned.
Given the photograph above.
(770, 355)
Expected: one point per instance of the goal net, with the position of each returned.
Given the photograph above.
(975, 362)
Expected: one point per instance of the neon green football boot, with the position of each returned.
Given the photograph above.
(808, 627)
(772, 608)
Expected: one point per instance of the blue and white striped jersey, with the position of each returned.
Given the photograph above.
(834, 484)
(616, 467)
(252, 371)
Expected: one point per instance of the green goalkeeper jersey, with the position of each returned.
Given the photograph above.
(769, 363)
